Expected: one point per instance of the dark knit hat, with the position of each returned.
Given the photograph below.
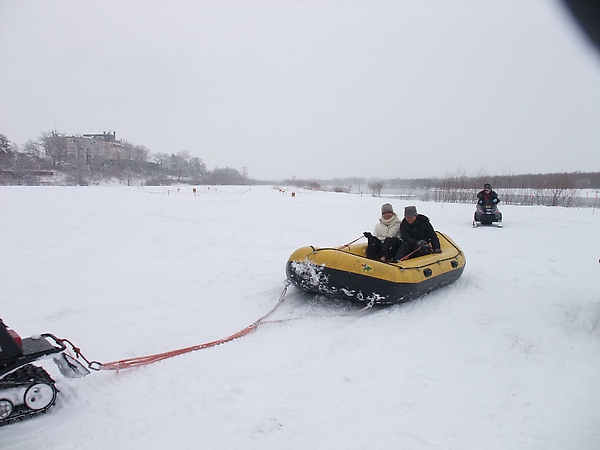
(386, 207)
(410, 211)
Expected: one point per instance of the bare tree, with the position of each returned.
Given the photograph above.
(160, 158)
(55, 147)
(179, 164)
(197, 170)
(33, 148)
(376, 188)
(5, 145)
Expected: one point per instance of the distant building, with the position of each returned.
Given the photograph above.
(111, 137)
(98, 146)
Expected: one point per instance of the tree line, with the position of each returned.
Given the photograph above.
(56, 158)
(550, 189)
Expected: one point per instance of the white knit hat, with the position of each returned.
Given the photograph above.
(386, 207)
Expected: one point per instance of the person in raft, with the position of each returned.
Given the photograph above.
(487, 196)
(417, 234)
(384, 242)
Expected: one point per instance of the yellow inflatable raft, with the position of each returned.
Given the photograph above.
(346, 272)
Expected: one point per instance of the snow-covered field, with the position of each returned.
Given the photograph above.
(508, 357)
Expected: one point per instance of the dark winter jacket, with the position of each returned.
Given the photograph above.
(9, 348)
(420, 229)
(485, 198)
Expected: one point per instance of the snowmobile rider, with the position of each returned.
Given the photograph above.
(417, 234)
(384, 242)
(10, 349)
(487, 196)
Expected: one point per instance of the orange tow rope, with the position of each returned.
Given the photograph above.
(142, 360)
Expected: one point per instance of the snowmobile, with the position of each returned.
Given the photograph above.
(487, 214)
(26, 389)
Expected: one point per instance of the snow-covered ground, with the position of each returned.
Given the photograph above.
(507, 357)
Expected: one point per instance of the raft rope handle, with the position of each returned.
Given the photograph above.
(350, 243)
(452, 243)
(411, 253)
(405, 257)
(447, 240)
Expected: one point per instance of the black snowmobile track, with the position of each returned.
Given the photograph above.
(25, 377)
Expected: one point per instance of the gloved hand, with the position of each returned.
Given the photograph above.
(495, 200)
(437, 250)
(480, 202)
(422, 243)
(367, 235)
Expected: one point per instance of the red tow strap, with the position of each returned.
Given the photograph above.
(142, 360)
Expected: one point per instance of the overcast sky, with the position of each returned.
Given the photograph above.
(312, 89)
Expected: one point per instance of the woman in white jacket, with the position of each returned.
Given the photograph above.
(384, 242)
